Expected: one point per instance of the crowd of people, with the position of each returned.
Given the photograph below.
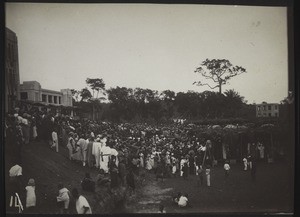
(118, 151)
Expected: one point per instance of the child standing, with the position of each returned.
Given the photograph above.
(207, 172)
(226, 169)
(30, 196)
(245, 161)
(200, 174)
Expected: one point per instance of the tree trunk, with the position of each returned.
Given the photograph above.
(93, 112)
(220, 88)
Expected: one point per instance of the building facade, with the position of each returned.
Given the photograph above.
(12, 78)
(267, 110)
(32, 91)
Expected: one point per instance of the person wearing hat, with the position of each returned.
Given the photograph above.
(30, 196)
(14, 188)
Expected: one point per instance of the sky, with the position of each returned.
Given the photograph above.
(151, 46)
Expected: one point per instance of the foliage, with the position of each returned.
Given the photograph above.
(85, 94)
(219, 71)
(146, 105)
(75, 94)
(96, 84)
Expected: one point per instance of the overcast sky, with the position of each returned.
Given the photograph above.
(151, 46)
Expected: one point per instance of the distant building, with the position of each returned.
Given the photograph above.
(12, 78)
(267, 110)
(32, 91)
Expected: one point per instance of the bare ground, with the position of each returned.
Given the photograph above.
(272, 192)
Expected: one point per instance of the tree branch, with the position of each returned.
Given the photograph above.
(205, 84)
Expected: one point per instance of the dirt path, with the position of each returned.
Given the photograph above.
(272, 192)
(148, 198)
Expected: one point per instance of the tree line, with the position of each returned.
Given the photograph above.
(141, 104)
(145, 104)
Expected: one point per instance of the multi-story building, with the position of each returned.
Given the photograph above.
(12, 78)
(267, 110)
(32, 91)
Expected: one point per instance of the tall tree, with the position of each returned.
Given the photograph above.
(121, 102)
(233, 103)
(168, 98)
(219, 71)
(85, 94)
(234, 97)
(168, 95)
(96, 84)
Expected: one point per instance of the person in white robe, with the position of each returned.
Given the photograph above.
(141, 160)
(96, 152)
(54, 141)
(151, 161)
(182, 162)
(245, 161)
(83, 149)
(71, 145)
(104, 155)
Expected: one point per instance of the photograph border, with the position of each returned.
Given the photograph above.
(293, 85)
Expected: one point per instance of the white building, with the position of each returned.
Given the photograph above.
(32, 91)
(267, 110)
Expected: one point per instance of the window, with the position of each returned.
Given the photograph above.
(275, 107)
(265, 108)
(59, 100)
(24, 95)
(269, 107)
(55, 99)
(270, 114)
(276, 114)
(44, 98)
(36, 97)
(49, 99)
(258, 108)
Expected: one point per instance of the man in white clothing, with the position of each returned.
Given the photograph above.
(183, 201)
(54, 141)
(82, 205)
(15, 171)
(96, 151)
(83, 149)
(104, 155)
